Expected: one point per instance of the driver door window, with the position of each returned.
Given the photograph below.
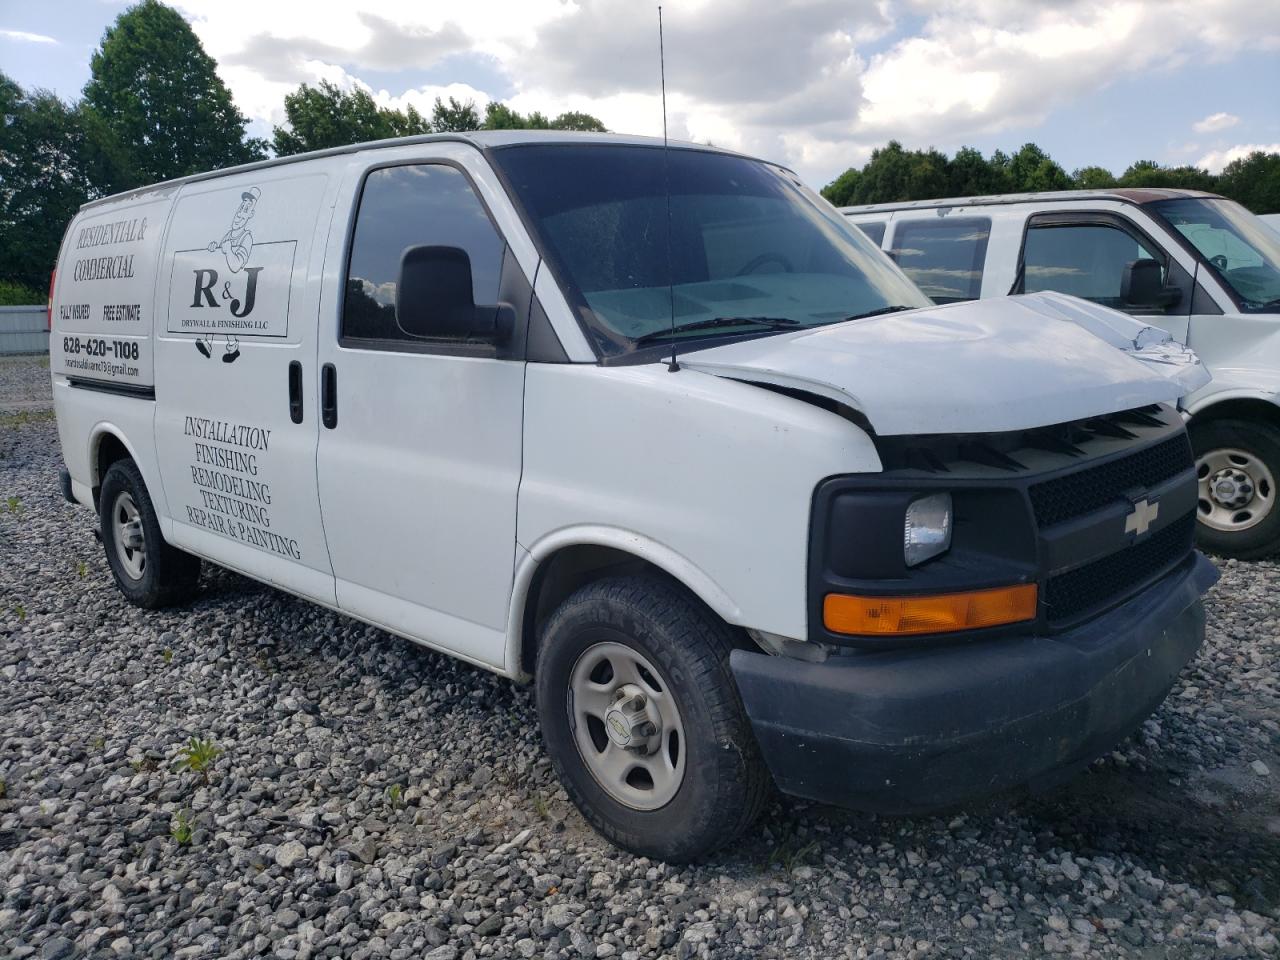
(1085, 260)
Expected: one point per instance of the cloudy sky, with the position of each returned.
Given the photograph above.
(814, 83)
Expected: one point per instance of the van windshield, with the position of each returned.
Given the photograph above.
(747, 242)
(1239, 247)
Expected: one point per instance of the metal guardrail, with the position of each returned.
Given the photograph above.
(24, 330)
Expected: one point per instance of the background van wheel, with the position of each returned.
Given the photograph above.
(148, 571)
(1237, 465)
(642, 720)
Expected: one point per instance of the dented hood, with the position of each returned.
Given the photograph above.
(978, 367)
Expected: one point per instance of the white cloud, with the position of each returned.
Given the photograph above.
(1215, 122)
(22, 36)
(423, 99)
(1217, 159)
(812, 83)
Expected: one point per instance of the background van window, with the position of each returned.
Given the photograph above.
(943, 256)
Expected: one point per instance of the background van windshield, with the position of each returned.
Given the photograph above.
(1243, 251)
(746, 241)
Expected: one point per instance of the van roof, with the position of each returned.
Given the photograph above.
(480, 139)
(1134, 195)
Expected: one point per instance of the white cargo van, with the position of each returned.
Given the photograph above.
(1198, 266)
(881, 553)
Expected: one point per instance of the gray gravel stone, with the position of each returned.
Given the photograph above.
(1168, 848)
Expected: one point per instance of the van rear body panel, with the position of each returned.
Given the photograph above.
(104, 294)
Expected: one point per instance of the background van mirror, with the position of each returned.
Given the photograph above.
(1142, 285)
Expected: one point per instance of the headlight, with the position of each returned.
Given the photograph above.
(927, 532)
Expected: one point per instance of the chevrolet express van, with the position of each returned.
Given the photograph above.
(1198, 266)
(659, 431)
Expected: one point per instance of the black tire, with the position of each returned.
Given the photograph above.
(169, 576)
(1259, 440)
(725, 783)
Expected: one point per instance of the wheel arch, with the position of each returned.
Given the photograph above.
(568, 559)
(107, 445)
(1241, 406)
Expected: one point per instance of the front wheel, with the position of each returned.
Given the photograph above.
(642, 720)
(148, 571)
(1237, 463)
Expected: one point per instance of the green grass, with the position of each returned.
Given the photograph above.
(197, 756)
(182, 827)
(791, 853)
(21, 418)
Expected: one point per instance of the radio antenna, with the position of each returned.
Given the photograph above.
(673, 366)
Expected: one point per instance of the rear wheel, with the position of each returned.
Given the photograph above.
(148, 571)
(1237, 465)
(643, 722)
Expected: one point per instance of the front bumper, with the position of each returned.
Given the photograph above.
(911, 731)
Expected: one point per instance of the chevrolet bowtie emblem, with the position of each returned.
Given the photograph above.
(1141, 517)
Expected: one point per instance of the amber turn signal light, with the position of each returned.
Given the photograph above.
(939, 613)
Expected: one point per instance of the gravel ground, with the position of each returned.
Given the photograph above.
(24, 383)
(374, 800)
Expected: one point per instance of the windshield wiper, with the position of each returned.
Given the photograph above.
(878, 312)
(772, 323)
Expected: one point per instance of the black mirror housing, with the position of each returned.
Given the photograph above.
(433, 293)
(1142, 285)
(434, 299)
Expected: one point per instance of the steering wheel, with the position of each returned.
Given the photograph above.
(1219, 261)
(764, 258)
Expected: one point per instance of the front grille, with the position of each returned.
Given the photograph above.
(1070, 594)
(1075, 494)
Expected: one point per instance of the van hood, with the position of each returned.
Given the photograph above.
(983, 366)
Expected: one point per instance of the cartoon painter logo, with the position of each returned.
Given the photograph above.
(237, 243)
(236, 246)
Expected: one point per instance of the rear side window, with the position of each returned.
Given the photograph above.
(1086, 260)
(408, 206)
(943, 256)
(874, 230)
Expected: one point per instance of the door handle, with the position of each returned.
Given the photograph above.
(295, 391)
(329, 396)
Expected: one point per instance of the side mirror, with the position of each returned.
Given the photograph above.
(434, 299)
(1142, 285)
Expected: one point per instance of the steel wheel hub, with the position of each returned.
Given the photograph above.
(1237, 490)
(131, 547)
(627, 725)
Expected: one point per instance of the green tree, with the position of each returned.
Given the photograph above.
(843, 189)
(159, 94)
(454, 117)
(499, 116)
(1253, 181)
(576, 120)
(52, 159)
(1093, 178)
(894, 174)
(1148, 173)
(1031, 170)
(326, 116)
(972, 175)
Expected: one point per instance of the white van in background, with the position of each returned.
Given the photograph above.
(1272, 220)
(1198, 266)
(663, 432)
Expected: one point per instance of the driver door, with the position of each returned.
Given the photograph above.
(1084, 254)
